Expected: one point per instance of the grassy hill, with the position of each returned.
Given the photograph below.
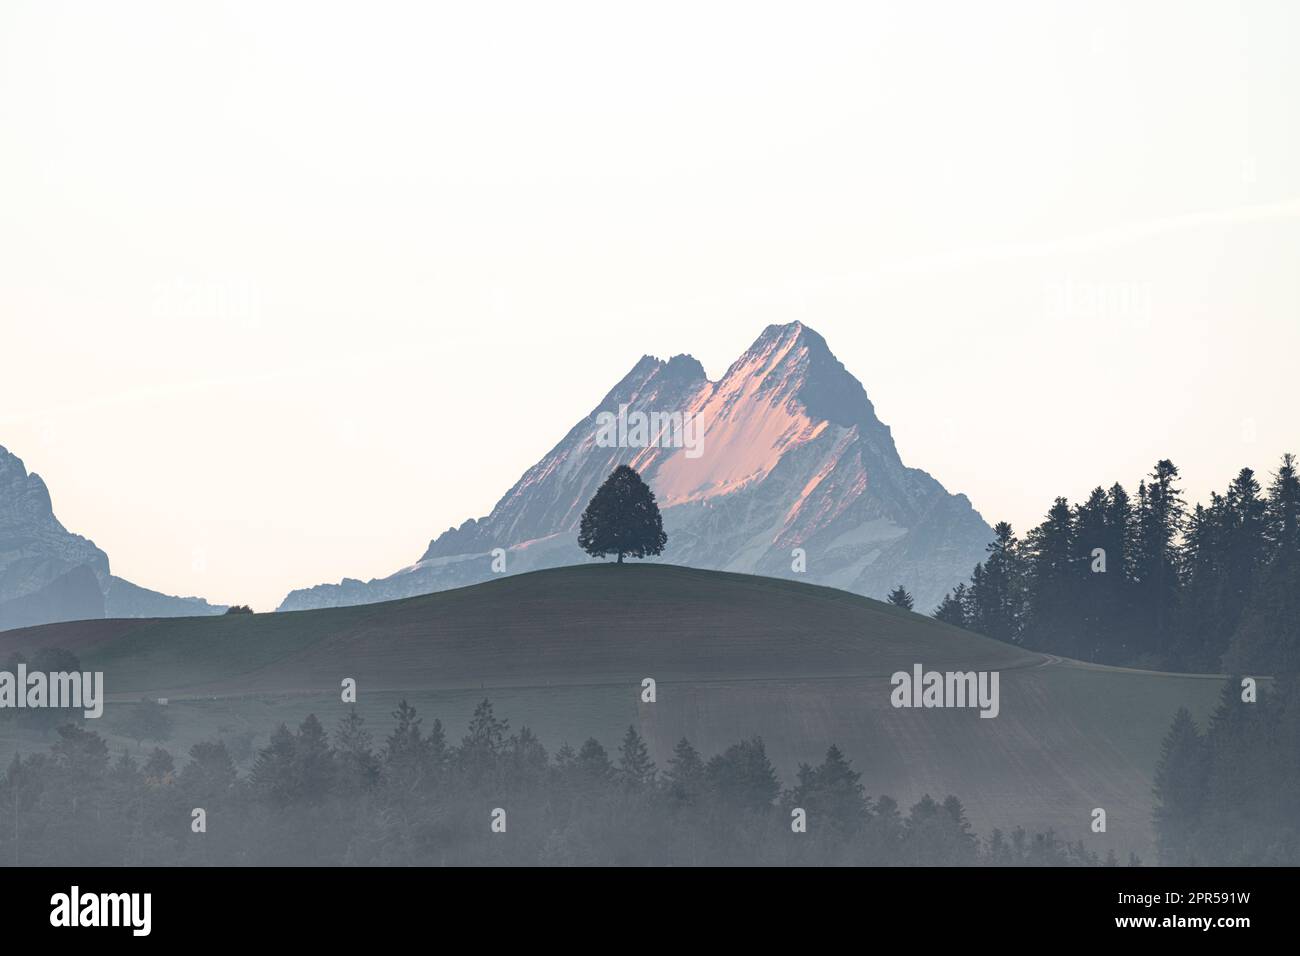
(564, 651)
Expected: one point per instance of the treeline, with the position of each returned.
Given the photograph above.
(1144, 580)
(312, 798)
(1227, 796)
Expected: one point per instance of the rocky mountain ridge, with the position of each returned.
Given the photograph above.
(792, 475)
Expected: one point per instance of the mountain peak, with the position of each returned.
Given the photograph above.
(685, 367)
(783, 451)
(796, 359)
(48, 573)
(652, 378)
(793, 336)
(23, 496)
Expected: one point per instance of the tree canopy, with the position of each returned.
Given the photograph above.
(622, 518)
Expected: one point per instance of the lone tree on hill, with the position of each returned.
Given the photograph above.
(900, 598)
(622, 518)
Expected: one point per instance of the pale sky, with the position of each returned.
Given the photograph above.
(287, 289)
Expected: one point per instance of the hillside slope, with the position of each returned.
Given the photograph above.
(564, 651)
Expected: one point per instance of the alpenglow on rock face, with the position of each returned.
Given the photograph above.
(49, 574)
(789, 455)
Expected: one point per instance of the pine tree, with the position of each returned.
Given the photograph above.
(211, 773)
(1227, 797)
(566, 758)
(685, 774)
(1052, 612)
(997, 588)
(1098, 567)
(1283, 511)
(900, 598)
(938, 834)
(952, 609)
(1224, 552)
(742, 776)
(1117, 625)
(635, 768)
(884, 831)
(1202, 608)
(1239, 792)
(82, 753)
(1245, 544)
(593, 760)
(1121, 533)
(1267, 637)
(358, 765)
(1161, 519)
(1267, 640)
(832, 792)
(407, 758)
(484, 742)
(526, 756)
(964, 841)
(272, 773)
(313, 761)
(486, 733)
(622, 518)
(1180, 783)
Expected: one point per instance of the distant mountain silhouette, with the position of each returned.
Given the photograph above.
(48, 574)
(790, 455)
